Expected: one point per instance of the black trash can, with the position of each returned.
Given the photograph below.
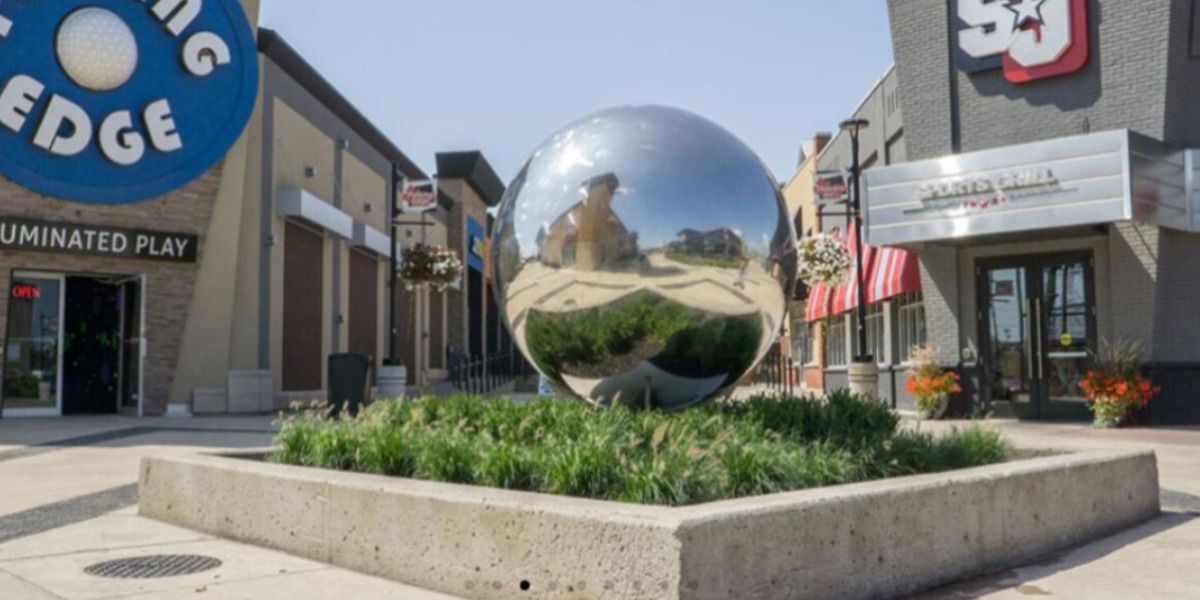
(349, 382)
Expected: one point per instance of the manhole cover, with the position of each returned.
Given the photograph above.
(153, 567)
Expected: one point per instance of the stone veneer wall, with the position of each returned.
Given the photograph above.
(169, 286)
(467, 204)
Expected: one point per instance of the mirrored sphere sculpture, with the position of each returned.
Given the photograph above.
(644, 256)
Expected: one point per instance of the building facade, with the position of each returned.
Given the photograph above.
(895, 320)
(227, 294)
(805, 339)
(1049, 191)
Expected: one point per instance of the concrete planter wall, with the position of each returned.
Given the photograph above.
(871, 540)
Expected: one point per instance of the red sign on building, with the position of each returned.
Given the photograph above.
(831, 188)
(25, 291)
(418, 196)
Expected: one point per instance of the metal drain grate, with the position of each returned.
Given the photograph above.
(153, 567)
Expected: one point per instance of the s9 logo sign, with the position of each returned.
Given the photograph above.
(1029, 39)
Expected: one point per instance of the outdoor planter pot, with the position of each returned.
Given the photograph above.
(869, 540)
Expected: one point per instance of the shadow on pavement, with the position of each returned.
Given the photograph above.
(1019, 579)
(112, 433)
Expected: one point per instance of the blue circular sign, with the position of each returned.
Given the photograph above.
(119, 101)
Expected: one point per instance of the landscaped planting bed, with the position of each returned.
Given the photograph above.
(717, 452)
(890, 537)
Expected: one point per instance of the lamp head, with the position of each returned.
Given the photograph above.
(853, 126)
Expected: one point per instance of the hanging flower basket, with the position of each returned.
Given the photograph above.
(824, 260)
(431, 265)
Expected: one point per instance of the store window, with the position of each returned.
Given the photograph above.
(876, 333)
(810, 344)
(911, 317)
(835, 341)
(803, 343)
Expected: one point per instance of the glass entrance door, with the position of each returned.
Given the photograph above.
(131, 346)
(32, 357)
(1038, 331)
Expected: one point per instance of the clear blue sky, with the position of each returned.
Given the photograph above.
(502, 75)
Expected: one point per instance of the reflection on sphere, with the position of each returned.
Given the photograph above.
(644, 255)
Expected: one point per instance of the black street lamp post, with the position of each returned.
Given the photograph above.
(393, 279)
(868, 377)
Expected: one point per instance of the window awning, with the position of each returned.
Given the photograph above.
(300, 204)
(890, 272)
(845, 297)
(372, 239)
(894, 272)
(818, 303)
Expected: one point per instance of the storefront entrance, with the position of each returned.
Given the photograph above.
(1038, 331)
(74, 345)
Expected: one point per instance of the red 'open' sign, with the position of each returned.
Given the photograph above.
(25, 291)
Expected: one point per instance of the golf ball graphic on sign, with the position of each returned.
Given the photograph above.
(97, 49)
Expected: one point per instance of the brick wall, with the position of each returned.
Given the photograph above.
(940, 286)
(169, 287)
(1177, 329)
(1125, 84)
(1182, 116)
(919, 36)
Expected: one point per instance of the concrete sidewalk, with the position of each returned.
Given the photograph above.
(71, 494)
(1154, 561)
(70, 502)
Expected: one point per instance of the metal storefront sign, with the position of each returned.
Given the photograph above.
(70, 238)
(112, 101)
(1082, 180)
(1030, 40)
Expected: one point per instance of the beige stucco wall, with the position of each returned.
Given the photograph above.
(798, 194)
(299, 145)
(244, 343)
(362, 186)
(215, 336)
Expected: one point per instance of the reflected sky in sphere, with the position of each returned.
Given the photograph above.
(704, 183)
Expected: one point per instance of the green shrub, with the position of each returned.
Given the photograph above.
(912, 452)
(766, 445)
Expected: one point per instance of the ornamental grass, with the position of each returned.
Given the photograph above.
(767, 445)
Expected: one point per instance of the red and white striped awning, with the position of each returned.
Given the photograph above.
(845, 297)
(895, 272)
(890, 272)
(818, 303)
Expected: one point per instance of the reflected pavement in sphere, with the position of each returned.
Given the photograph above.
(643, 256)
